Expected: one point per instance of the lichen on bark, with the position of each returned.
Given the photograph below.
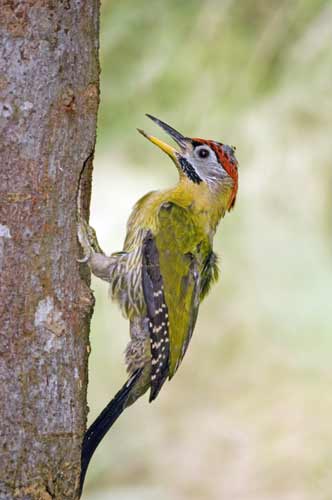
(49, 93)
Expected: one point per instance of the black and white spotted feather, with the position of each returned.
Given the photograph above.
(157, 313)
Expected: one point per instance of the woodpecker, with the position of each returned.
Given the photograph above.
(165, 269)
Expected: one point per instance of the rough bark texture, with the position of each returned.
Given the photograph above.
(48, 105)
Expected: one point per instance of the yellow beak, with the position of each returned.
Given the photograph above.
(176, 136)
(169, 150)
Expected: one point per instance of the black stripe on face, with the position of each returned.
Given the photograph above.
(189, 170)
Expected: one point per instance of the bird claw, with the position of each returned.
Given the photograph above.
(88, 240)
(84, 260)
(84, 240)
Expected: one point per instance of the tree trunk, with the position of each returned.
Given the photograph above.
(49, 77)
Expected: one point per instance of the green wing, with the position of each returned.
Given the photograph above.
(183, 251)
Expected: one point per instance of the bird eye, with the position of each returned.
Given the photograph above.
(203, 153)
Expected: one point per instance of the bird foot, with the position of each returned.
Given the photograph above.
(88, 240)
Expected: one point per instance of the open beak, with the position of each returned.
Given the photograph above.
(175, 135)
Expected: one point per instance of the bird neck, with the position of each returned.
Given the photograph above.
(208, 206)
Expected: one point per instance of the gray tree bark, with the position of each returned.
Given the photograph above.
(49, 92)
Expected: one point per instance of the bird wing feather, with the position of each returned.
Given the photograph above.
(157, 314)
(181, 247)
(176, 270)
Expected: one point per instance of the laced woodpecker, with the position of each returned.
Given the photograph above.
(165, 269)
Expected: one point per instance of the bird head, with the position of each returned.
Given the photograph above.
(201, 160)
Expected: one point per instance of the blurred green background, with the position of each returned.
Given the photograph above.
(248, 416)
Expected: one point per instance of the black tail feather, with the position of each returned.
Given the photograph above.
(103, 423)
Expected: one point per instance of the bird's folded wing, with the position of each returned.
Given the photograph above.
(179, 246)
(157, 313)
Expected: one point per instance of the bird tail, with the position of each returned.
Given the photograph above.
(104, 422)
